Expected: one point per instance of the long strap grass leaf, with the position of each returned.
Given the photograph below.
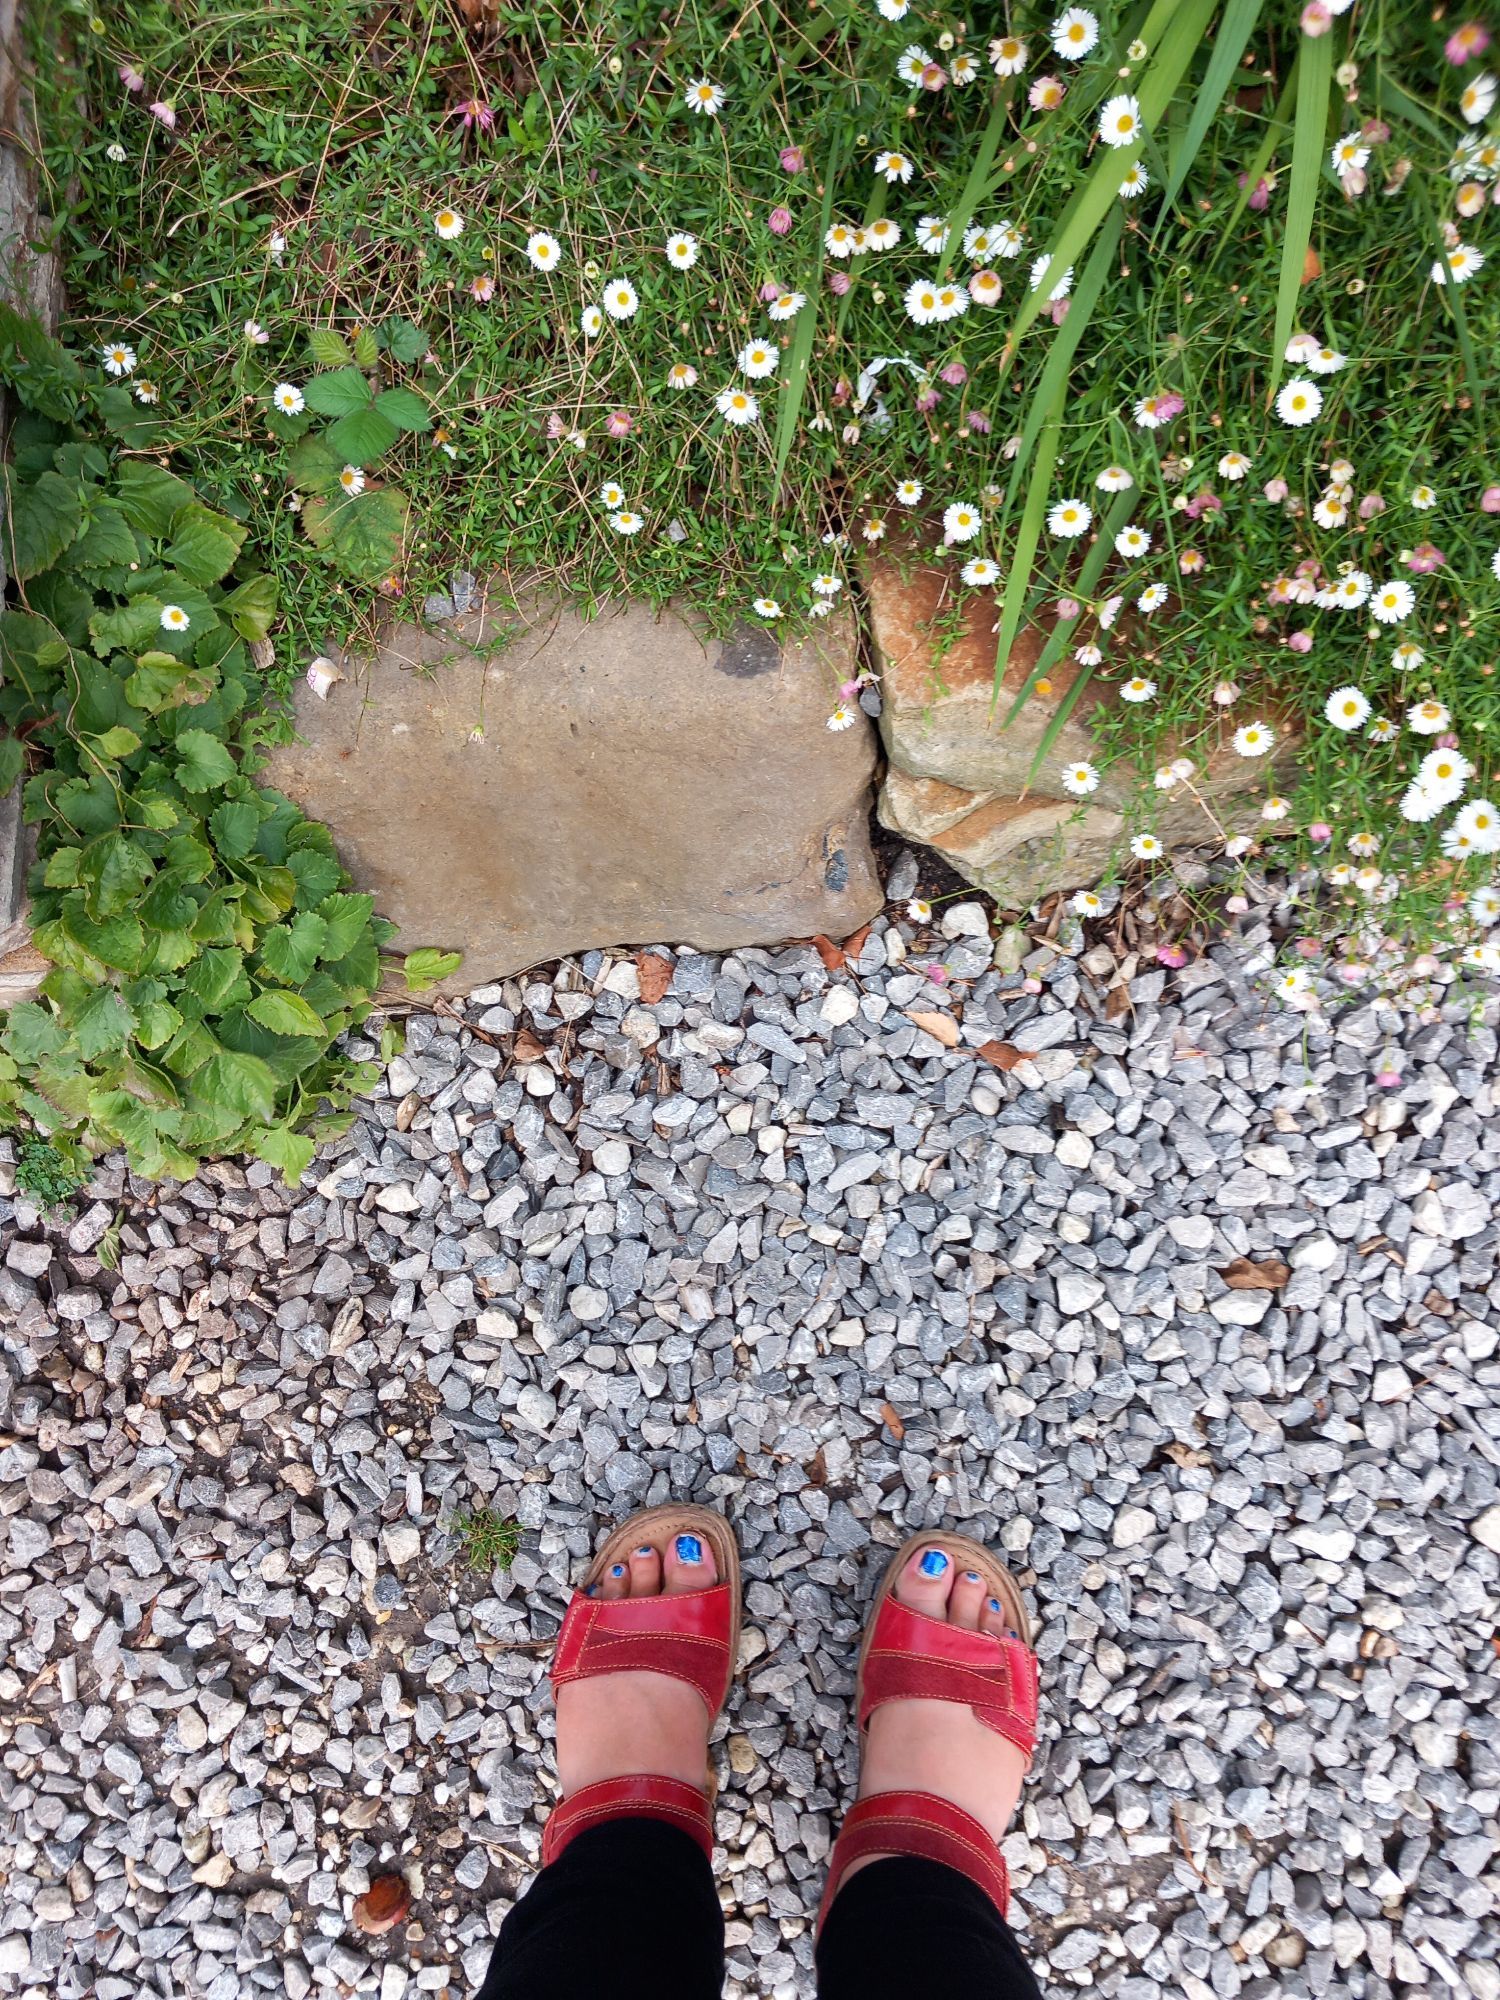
(1276, 131)
(1240, 17)
(1028, 534)
(1082, 586)
(794, 386)
(1309, 137)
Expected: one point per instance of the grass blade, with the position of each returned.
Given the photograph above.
(975, 188)
(1028, 534)
(1276, 131)
(1235, 30)
(1061, 635)
(1309, 137)
(798, 361)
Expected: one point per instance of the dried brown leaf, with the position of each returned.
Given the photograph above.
(526, 1048)
(893, 1422)
(1244, 1275)
(655, 975)
(942, 1027)
(383, 1905)
(831, 954)
(816, 1469)
(1187, 1455)
(855, 944)
(1312, 265)
(1001, 1054)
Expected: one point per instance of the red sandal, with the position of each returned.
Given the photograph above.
(694, 1636)
(906, 1654)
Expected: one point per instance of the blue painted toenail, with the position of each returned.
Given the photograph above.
(645, 1550)
(972, 1576)
(1012, 1635)
(994, 1604)
(933, 1563)
(590, 1591)
(618, 1570)
(689, 1549)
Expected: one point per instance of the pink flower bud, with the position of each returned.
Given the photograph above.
(1237, 905)
(1469, 40)
(1316, 19)
(1276, 491)
(978, 422)
(1068, 607)
(1031, 985)
(938, 974)
(1320, 830)
(769, 291)
(934, 76)
(1300, 642)
(1489, 500)
(838, 283)
(779, 221)
(793, 160)
(618, 423)
(1057, 312)
(131, 77)
(164, 112)
(1388, 1079)
(955, 374)
(927, 401)
(1370, 506)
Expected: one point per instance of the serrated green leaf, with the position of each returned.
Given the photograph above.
(117, 741)
(366, 347)
(106, 541)
(287, 1014)
(346, 917)
(149, 495)
(291, 1153)
(364, 535)
(234, 826)
(317, 875)
(338, 394)
(12, 760)
(202, 761)
(251, 606)
(160, 682)
(290, 951)
(42, 520)
(205, 546)
(113, 872)
(129, 628)
(116, 940)
(31, 1033)
(405, 409)
(406, 342)
(312, 466)
(426, 967)
(327, 348)
(102, 1022)
(61, 871)
(239, 1083)
(361, 438)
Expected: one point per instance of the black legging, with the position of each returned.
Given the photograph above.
(630, 1912)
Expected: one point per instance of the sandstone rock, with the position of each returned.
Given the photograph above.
(522, 784)
(960, 780)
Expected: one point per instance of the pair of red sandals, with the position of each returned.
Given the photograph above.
(695, 1638)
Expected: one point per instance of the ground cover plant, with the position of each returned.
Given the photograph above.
(1170, 324)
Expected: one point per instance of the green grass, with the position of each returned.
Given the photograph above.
(487, 1541)
(331, 126)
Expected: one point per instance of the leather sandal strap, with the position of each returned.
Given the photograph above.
(689, 1636)
(637, 1797)
(911, 1656)
(920, 1824)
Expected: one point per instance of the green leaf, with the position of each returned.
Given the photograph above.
(113, 871)
(346, 918)
(150, 495)
(361, 438)
(287, 1014)
(1309, 139)
(425, 968)
(117, 742)
(337, 394)
(202, 761)
(204, 545)
(251, 606)
(102, 1022)
(38, 367)
(239, 1083)
(115, 940)
(404, 341)
(129, 628)
(32, 1033)
(1234, 31)
(213, 977)
(290, 951)
(61, 871)
(312, 466)
(1028, 533)
(106, 541)
(317, 875)
(160, 682)
(42, 521)
(280, 1147)
(12, 759)
(234, 827)
(366, 347)
(363, 534)
(327, 348)
(405, 409)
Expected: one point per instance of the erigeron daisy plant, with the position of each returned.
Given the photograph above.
(1238, 421)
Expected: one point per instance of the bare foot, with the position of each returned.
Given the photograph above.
(941, 1746)
(616, 1725)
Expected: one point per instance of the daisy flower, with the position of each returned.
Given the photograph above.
(1479, 822)
(1292, 982)
(893, 167)
(919, 910)
(1007, 238)
(1109, 611)
(1348, 594)
(1478, 100)
(1132, 541)
(1080, 779)
(1442, 774)
(1254, 739)
(1331, 511)
(979, 244)
(909, 492)
(1299, 402)
(1137, 689)
(255, 333)
(1423, 497)
(118, 359)
(1428, 718)
(1152, 597)
(1484, 905)
(174, 618)
(911, 63)
(448, 223)
(827, 585)
(544, 250)
(590, 322)
(1382, 730)
(1393, 601)
(1086, 904)
(786, 306)
(766, 607)
(288, 399)
(921, 302)
(1275, 807)
(985, 288)
(873, 529)
(952, 302)
(843, 717)
(1120, 121)
(1063, 286)
(1346, 708)
(146, 391)
(620, 300)
(1007, 56)
(1136, 181)
(1459, 265)
(759, 359)
(1234, 465)
(1145, 847)
(883, 233)
(681, 375)
(1046, 93)
(1364, 845)
(1326, 361)
(1350, 152)
(611, 495)
(961, 522)
(1088, 654)
(1069, 518)
(893, 10)
(705, 99)
(932, 234)
(839, 242)
(737, 406)
(1114, 479)
(482, 288)
(979, 571)
(963, 69)
(682, 251)
(352, 480)
(626, 523)
(1075, 33)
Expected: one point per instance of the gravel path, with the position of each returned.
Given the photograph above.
(770, 1244)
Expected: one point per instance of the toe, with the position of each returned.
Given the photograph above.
(925, 1581)
(993, 1619)
(645, 1571)
(690, 1564)
(615, 1581)
(966, 1600)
